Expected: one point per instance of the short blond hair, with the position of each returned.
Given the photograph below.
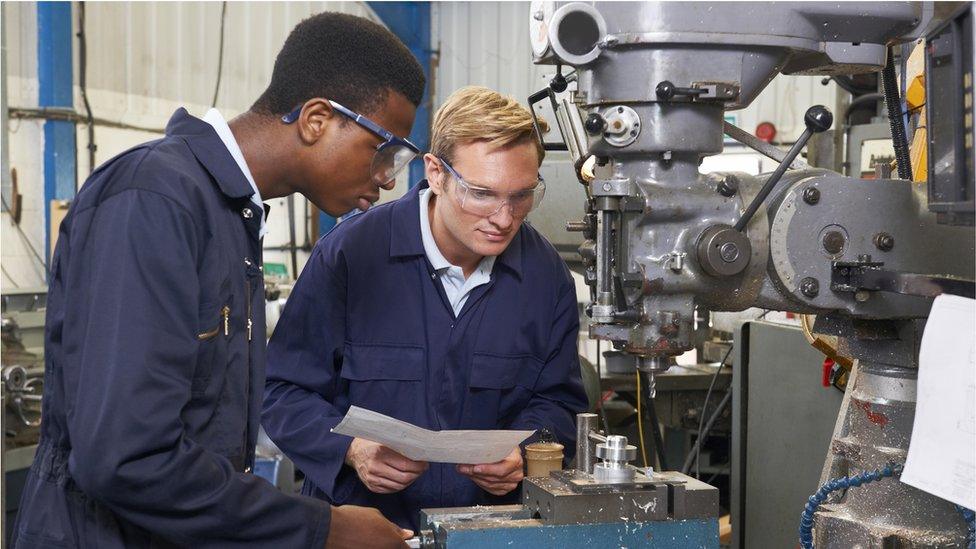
(476, 113)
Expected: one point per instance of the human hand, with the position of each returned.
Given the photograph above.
(381, 469)
(363, 527)
(497, 478)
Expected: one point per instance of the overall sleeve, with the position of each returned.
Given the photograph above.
(304, 359)
(133, 349)
(558, 393)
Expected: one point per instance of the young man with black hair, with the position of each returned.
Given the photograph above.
(155, 343)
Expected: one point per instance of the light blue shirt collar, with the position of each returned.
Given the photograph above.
(451, 276)
(215, 119)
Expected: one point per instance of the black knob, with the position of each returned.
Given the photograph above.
(818, 119)
(558, 83)
(665, 90)
(595, 124)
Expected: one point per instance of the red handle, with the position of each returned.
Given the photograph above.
(828, 367)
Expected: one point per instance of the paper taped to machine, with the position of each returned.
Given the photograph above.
(942, 453)
(419, 444)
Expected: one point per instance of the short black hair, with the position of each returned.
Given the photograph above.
(350, 60)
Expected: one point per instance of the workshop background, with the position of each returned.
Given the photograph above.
(92, 79)
(83, 82)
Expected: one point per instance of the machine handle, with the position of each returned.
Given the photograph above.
(817, 119)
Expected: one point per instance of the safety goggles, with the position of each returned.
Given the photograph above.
(391, 156)
(486, 202)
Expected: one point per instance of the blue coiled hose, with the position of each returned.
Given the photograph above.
(806, 519)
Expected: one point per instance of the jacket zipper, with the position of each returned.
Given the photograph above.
(225, 313)
(247, 387)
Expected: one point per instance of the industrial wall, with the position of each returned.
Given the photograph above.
(144, 60)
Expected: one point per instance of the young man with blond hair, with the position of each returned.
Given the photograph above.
(443, 309)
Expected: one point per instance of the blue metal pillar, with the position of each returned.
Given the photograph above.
(410, 21)
(55, 76)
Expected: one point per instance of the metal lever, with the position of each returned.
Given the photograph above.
(665, 91)
(855, 276)
(817, 119)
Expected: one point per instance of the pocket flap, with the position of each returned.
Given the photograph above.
(499, 372)
(376, 362)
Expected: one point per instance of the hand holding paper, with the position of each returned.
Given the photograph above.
(418, 444)
(381, 469)
(497, 478)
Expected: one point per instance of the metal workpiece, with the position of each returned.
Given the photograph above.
(586, 423)
(615, 455)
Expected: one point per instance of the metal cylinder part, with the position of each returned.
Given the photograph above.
(616, 454)
(585, 451)
(616, 449)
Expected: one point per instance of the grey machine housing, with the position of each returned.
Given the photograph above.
(653, 82)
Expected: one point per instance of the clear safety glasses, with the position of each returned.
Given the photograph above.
(391, 156)
(486, 202)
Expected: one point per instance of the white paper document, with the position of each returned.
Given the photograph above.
(421, 444)
(942, 455)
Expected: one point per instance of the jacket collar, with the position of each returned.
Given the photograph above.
(406, 240)
(210, 151)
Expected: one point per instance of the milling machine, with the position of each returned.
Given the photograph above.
(652, 83)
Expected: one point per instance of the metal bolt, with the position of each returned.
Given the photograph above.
(539, 15)
(607, 187)
(884, 242)
(728, 186)
(833, 242)
(810, 287)
(577, 226)
(729, 252)
(861, 296)
(811, 195)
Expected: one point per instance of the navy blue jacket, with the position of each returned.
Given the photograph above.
(154, 357)
(369, 324)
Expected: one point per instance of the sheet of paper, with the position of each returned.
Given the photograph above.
(421, 444)
(942, 454)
